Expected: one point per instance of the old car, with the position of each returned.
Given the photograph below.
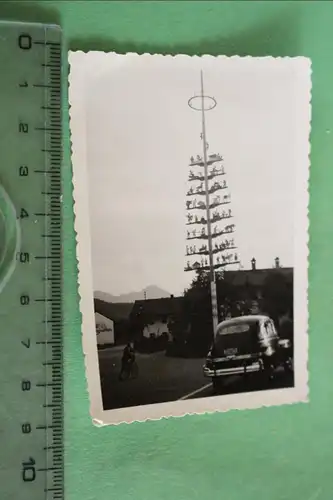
(246, 345)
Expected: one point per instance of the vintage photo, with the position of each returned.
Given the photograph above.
(191, 200)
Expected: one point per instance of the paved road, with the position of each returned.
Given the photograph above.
(160, 379)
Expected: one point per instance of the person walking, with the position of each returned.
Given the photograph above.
(127, 361)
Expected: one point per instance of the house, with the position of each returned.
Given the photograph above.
(119, 313)
(254, 291)
(254, 279)
(104, 330)
(150, 318)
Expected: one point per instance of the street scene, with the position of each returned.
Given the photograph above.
(159, 350)
(192, 221)
(172, 379)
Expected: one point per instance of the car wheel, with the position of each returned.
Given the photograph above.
(217, 384)
(289, 365)
(268, 374)
(248, 378)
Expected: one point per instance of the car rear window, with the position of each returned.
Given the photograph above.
(237, 328)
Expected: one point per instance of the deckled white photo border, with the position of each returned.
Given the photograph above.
(297, 394)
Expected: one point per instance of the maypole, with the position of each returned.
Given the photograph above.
(212, 168)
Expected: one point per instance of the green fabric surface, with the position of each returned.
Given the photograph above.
(280, 453)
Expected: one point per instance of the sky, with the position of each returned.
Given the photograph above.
(140, 135)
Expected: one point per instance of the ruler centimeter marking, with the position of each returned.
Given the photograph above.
(31, 303)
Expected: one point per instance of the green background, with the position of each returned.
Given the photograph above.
(282, 453)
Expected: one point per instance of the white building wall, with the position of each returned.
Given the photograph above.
(157, 328)
(104, 329)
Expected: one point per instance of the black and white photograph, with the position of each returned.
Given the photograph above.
(190, 179)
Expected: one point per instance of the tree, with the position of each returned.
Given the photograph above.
(197, 313)
(200, 286)
(198, 308)
(277, 295)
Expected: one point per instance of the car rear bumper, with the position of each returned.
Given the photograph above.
(235, 370)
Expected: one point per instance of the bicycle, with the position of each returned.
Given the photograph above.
(131, 371)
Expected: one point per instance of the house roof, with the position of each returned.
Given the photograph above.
(157, 307)
(114, 311)
(256, 277)
(152, 308)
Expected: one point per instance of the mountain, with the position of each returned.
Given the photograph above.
(152, 292)
(105, 297)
